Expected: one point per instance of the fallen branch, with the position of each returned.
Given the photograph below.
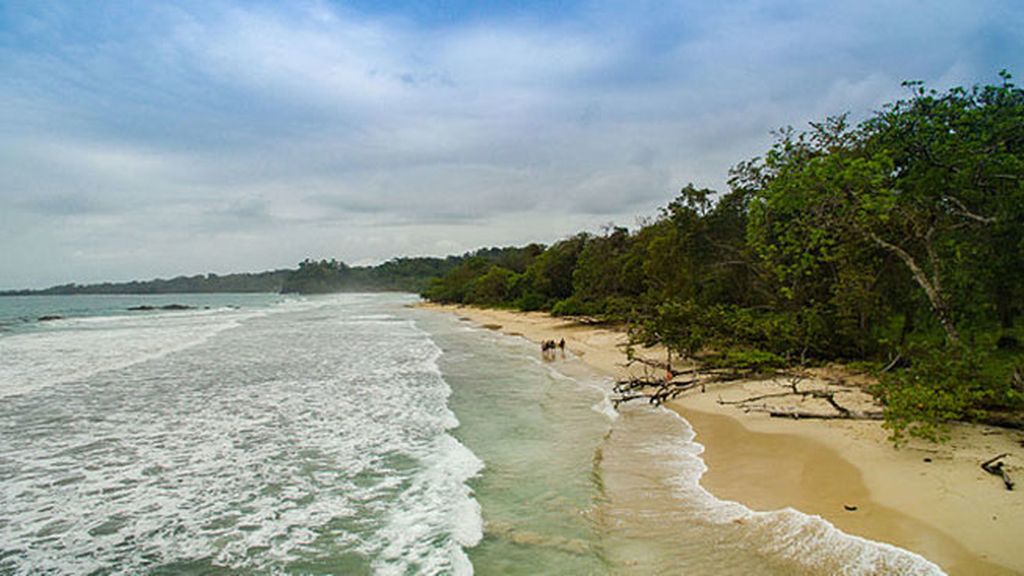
(800, 414)
(842, 412)
(641, 383)
(793, 379)
(826, 395)
(664, 367)
(994, 467)
(830, 397)
(621, 399)
(670, 392)
(753, 398)
(656, 392)
(663, 392)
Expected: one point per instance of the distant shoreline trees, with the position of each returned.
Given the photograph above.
(311, 277)
(270, 281)
(396, 275)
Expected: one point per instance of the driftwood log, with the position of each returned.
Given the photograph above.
(801, 414)
(995, 467)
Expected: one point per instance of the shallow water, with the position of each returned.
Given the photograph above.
(572, 487)
(351, 434)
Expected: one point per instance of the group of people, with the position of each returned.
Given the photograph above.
(547, 348)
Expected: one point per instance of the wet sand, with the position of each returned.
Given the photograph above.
(947, 510)
(769, 471)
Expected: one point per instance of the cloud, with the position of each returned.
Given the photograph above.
(230, 136)
(62, 205)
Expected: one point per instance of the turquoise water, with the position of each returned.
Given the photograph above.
(351, 434)
(539, 432)
(571, 486)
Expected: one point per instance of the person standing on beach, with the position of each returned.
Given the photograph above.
(547, 349)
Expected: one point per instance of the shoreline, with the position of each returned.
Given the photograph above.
(946, 509)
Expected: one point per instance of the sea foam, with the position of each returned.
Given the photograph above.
(802, 539)
(317, 431)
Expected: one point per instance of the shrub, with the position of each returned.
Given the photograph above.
(530, 302)
(754, 360)
(576, 306)
(942, 385)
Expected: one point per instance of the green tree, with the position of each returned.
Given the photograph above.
(607, 270)
(958, 185)
(548, 278)
(494, 287)
(920, 181)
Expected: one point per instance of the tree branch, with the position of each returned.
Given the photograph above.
(933, 292)
(800, 414)
(962, 210)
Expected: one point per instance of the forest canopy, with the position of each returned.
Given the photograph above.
(897, 242)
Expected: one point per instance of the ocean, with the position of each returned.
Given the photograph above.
(351, 434)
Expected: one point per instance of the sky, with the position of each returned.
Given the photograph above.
(153, 139)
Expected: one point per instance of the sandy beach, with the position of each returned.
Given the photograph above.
(933, 499)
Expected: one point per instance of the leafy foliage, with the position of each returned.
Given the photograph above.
(900, 236)
(399, 274)
(943, 385)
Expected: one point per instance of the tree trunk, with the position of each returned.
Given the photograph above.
(908, 324)
(1004, 307)
(931, 288)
